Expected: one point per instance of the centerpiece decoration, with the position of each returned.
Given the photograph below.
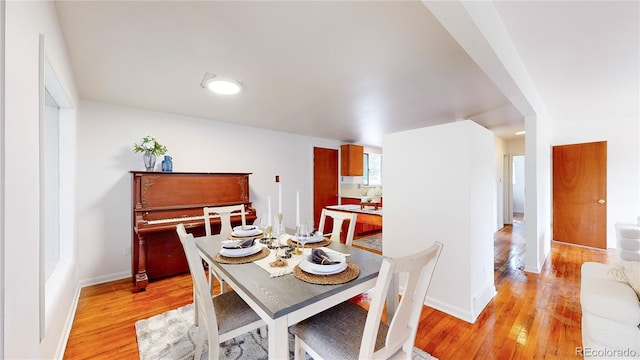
(151, 148)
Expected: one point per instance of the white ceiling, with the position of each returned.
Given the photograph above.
(350, 71)
(584, 56)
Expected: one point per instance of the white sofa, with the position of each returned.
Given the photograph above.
(610, 315)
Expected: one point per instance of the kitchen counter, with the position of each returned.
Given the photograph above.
(356, 209)
(366, 216)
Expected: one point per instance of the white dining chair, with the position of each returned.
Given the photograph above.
(221, 317)
(338, 218)
(324, 335)
(224, 213)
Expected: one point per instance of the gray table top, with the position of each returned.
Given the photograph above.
(282, 295)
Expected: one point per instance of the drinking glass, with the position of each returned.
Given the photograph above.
(264, 225)
(303, 235)
(267, 233)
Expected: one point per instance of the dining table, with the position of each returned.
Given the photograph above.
(284, 300)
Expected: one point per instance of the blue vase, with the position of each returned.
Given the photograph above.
(167, 164)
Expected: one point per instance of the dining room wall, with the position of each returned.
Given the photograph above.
(454, 202)
(106, 134)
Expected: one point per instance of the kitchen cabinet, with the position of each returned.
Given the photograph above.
(351, 160)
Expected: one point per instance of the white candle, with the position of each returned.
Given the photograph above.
(297, 208)
(279, 198)
(269, 205)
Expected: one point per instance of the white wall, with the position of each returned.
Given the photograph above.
(25, 21)
(516, 146)
(623, 162)
(106, 134)
(538, 198)
(2, 166)
(453, 200)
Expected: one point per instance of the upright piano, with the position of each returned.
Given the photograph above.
(162, 200)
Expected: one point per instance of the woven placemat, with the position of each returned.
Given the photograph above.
(322, 243)
(232, 237)
(243, 259)
(351, 272)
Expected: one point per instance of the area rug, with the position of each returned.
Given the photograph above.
(171, 336)
(373, 242)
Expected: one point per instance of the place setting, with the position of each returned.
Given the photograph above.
(241, 251)
(245, 231)
(326, 268)
(305, 238)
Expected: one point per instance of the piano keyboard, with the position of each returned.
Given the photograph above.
(186, 218)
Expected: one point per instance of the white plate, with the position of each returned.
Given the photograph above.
(312, 239)
(241, 252)
(249, 231)
(327, 268)
(306, 266)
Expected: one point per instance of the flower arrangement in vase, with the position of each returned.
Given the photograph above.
(151, 148)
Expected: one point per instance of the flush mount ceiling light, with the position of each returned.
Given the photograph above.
(219, 85)
(520, 133)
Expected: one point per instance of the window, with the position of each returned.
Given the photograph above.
(372, 174)
(51, 185)
(56, 126)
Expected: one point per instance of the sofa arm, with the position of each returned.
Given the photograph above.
(602, 296)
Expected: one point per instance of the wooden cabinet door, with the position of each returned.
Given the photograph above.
(351, 160)
(580, 194)
(325, 182)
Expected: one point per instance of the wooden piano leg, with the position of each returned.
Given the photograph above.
(141, 278)
(141, 282)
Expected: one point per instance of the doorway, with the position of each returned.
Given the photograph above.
(518, 187)
(514, 188)
(580, 193)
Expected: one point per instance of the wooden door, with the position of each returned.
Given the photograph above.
(325, 182)
(580, 194)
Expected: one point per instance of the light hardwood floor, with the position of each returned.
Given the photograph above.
(533, 316)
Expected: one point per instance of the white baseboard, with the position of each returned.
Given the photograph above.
(538, 267)
(479, 302)
(531, 269)
(454, 311)
(482, 297)
(66, 331)
(105, 278)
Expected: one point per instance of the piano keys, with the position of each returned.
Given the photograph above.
(161, 200)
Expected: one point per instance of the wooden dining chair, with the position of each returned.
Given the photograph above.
(324, 335)
(226, 228)
(338, 218)
(221, 317)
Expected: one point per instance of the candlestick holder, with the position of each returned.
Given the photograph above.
(280, 231)
(297, 250)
